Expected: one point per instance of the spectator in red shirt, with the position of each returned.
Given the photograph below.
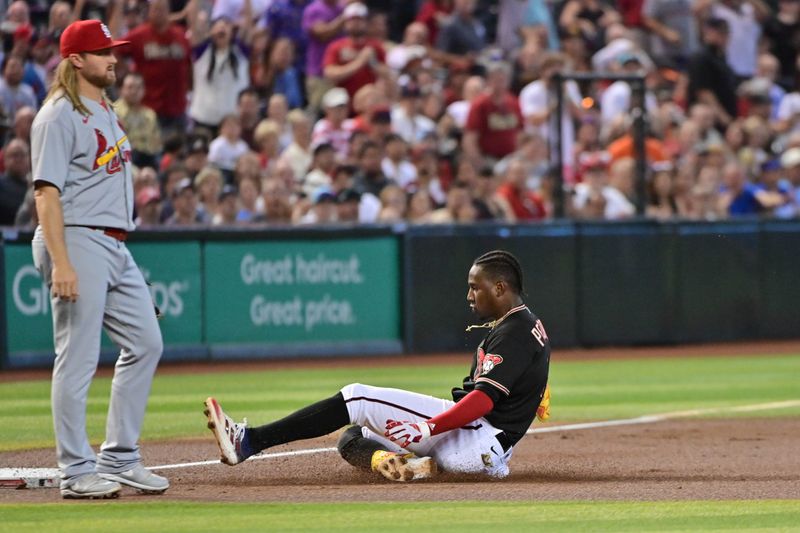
(161, 53)
(355, 60)
(494, 119)
(525, 204)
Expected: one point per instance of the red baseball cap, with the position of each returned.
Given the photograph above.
(87, 36)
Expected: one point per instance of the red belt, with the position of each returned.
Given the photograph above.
(119, 234)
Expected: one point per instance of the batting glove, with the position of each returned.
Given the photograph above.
(404, 432)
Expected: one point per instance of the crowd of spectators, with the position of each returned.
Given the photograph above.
(264, 112)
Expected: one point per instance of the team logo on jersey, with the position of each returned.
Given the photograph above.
(112, 157)
(487, 362)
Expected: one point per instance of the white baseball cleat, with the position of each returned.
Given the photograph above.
(91, 486)
(231, 436)
(139, 478)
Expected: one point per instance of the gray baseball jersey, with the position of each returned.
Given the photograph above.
(88, 159)
(97, 187)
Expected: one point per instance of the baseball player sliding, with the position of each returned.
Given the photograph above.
(84, 198)
(404, 435)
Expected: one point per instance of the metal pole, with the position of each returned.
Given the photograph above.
(558, 199)
(639, 147)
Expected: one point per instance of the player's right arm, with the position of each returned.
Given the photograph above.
(64, 281)
(52, 139)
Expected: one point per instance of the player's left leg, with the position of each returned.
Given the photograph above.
(131, 324)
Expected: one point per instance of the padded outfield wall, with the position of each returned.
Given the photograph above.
(378, 290)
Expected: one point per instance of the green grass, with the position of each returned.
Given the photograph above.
(537, 516)
(582, 390)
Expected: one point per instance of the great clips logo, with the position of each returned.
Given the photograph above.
(110, 157)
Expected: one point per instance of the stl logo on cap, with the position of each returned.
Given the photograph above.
(87, 36)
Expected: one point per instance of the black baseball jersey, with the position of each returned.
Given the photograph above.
(511, 366)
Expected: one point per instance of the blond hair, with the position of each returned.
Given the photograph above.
(65, 84)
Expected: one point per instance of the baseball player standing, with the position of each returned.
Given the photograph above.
(405, 435)
(81, 170)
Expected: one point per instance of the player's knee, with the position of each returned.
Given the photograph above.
(347, 439)
(151, 345)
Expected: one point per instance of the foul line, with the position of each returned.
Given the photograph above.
(646, 419)
(39, 474)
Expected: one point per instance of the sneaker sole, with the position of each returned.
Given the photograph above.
(399, 468)
(216, 420)
(143, 489)
(68, 494)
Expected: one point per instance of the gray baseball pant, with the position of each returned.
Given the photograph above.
(112, 295)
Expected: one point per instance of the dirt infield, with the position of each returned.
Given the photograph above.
(687, 459)
(741, 458)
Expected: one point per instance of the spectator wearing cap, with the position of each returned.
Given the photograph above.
(332, 127)
(298, 154)
(323, 22)
(162, 54)
(739, 197)
(196, 153)
(148, 207)
(347, 204)
(228, 147)
(14, 181)
(322, 167)
(407, 118)
(355, 60)
(771, 180)
(184, 203)
(17, 14)
(140, 122)
(494, 119)
(616, 98)
(14, 93)
(227, 209)
(323, 208)
(711, 80)
(174, 174)
(396, 165)
(594, 198)
(220, 66)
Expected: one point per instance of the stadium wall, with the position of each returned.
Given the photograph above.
(234, 294)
